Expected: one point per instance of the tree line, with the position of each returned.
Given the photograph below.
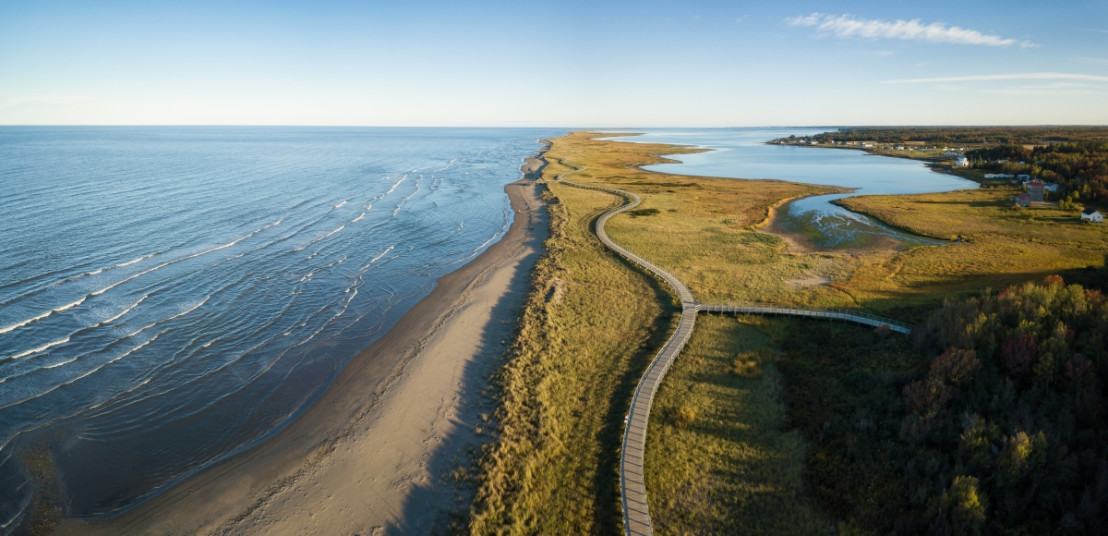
(1032, 135)
(992, 419)
(1080, 168)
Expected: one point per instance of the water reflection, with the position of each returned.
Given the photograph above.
(743, 153)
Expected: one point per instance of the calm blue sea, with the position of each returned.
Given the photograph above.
(169, 295)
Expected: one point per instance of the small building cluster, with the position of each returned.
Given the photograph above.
(1035, 190)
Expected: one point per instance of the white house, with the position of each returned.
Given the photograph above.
(1092, 215)
(961, 161)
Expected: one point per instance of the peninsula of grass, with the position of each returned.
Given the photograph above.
(593, 322)
(587, 332)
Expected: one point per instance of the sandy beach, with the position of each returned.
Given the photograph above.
(377, 452)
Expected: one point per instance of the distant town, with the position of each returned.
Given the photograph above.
(1063, 167)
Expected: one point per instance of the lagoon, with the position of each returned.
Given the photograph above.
(743, 153)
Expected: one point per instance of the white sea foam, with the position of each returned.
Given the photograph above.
(340, 205)
(341, 227)
(359, 218)
(42, 348)
(382, 254)
(20, 324)
(99, 271)
(406, 199)
(190, 309)
(134, 261)
(62, 363)
(125, 311)
(398, 183)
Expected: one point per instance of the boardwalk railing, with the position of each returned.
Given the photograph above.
(833, 314)
(636, 513)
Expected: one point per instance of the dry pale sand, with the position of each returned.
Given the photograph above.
(375, 454)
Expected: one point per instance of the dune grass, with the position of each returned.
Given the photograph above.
(719, 461)
(587, 332)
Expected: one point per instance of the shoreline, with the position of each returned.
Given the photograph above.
(375, 452)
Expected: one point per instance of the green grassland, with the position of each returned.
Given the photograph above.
(702, 229)
(721, 456)
(587, 332)
(719, 460)
(1001, 244)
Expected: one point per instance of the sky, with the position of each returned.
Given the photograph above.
(575, 64)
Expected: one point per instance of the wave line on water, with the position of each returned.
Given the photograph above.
(408, 198)
(102, 270)
(379, 255)
(175, 261)
(42, 348)
(42, 316)
(398, 183)
(85, 375)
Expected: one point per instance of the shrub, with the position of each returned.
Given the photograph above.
(684, 416)
(747, 365)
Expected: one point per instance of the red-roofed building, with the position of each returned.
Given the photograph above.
(1035, 190)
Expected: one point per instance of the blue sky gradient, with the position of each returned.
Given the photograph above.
(571, 64)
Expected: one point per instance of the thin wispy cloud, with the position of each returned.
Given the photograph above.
(1092, 61)
(848, 26)
(995, 77)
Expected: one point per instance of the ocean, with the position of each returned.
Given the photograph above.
(172, 295)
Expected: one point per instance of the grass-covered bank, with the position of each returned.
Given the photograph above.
(1000, 244)
(588, 330)
(720, 460)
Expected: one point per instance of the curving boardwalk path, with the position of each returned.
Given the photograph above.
(830, 314)
(636, 513)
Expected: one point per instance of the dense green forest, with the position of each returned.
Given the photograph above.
(1074, 157)
(990, 420)
(1040, 135)
(1081, 168)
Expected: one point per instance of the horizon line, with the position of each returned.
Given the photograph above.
(594, 127)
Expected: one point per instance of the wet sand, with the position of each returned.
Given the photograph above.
(375, 454)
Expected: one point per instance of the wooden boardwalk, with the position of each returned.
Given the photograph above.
(636, 513)
(632, 480)
(830, 314)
